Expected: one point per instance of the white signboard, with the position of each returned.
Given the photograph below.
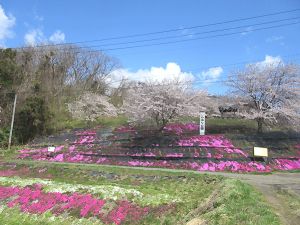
(260, 152)
(202, 123)
(51, 149)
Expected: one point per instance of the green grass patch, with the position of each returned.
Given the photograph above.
(240, 203)
(112, 121)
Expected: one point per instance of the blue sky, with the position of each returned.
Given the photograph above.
(35, 21)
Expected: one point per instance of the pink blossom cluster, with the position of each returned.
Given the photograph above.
(287, 164)
(212, 141)
(219, 152)
(181, 128)
(85, 139)
(232, 166)
(34, 200)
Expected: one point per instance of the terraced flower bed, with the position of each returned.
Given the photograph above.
(177, 147)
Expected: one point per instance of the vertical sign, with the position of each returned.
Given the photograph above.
(202, 123)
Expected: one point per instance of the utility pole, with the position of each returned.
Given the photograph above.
(12, 122)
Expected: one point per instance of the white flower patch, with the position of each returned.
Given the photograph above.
(106, 191)
(103, 191)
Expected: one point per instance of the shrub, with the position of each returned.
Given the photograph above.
(32, 119)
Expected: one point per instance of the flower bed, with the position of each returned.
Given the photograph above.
(202, 153)
(33, 199)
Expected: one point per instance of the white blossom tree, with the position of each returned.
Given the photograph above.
(271, 91)
(162, 102)
(91, 106)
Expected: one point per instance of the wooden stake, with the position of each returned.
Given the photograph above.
(12, 122)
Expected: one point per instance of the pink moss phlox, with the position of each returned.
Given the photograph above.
(34, 200)
(59, 158)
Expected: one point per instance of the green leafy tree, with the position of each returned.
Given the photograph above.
(32, 119)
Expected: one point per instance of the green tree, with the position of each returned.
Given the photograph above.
(32, 119)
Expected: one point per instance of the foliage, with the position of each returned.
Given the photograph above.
(8, 69)
(32, 119)
(4, 134)
(271, 92)
(9, 80)
(162, 102)
(54, 74)
(91, 106)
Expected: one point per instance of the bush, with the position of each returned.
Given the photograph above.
(4, 135)
(32, 119)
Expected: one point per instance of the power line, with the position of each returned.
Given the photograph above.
(174, 30)
(179, 41)
(187, 35)
(194, 39)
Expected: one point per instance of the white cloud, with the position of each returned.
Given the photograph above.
(57, 37)
(172, 71)
(211, 75)
(6, 24)
(36, 36)
(157, 74)
(270, 60)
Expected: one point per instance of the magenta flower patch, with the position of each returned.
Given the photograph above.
(187, 151)
(34, 200)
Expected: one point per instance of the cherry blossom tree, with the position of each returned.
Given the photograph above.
(91, 106)
(161, 102)
(271, 91)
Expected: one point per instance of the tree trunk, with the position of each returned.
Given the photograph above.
(259, 125)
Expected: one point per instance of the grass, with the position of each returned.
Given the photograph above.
(234, 203)
(112, 121)
(291, 202)
(6, 154)
(239, 203)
